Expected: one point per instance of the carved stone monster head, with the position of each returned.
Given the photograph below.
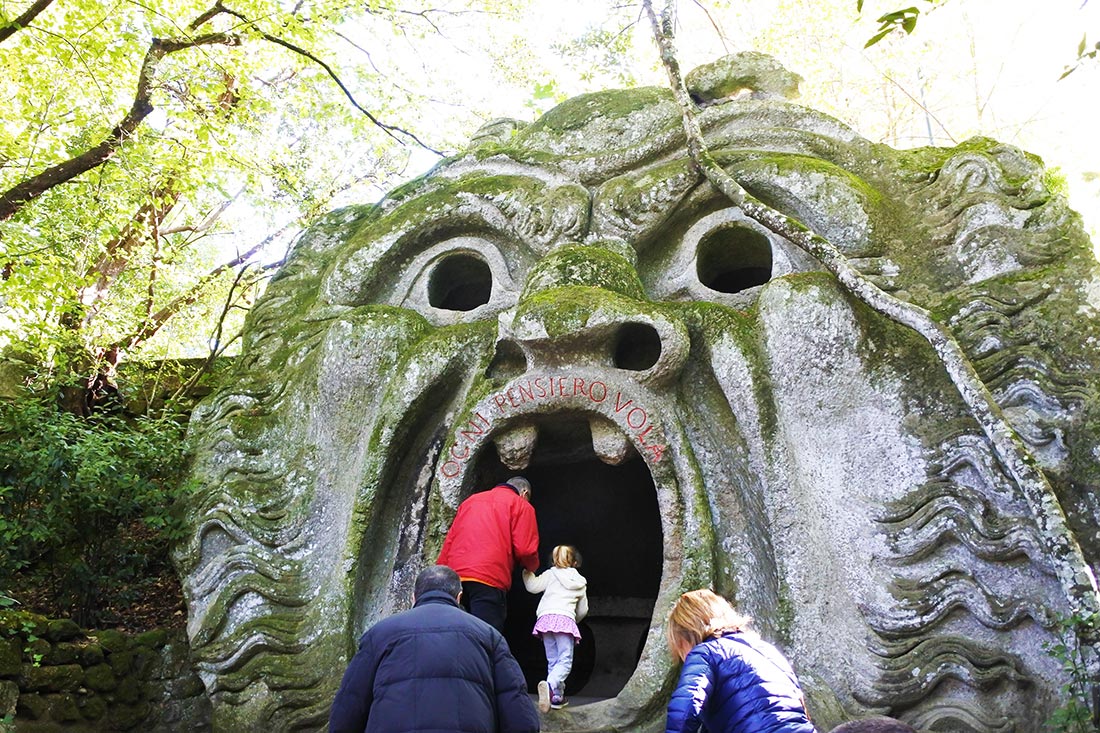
(694, 401)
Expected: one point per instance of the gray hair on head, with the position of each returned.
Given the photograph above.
(437, 577)
(520, 484)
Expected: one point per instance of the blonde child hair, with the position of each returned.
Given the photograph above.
(566, 556)
(700, 615)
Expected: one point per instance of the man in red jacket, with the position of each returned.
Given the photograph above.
(492, 531)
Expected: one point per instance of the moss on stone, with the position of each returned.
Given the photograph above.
(101, 678)
(784, 613)
(121, 662)
(127, 717)
(567, 310)
(9, 696)
(92, 707)
(129, 690)
(62, 629)
(22, 624)
(62, 678)
(11, 657)
(748, 71)
(589, 266)
(930, 160)
(1054, 181)
(152, 639)
(578, 112)
(63, 708)
(32, 706)
(111, 640)
(61, 653)
(431, 206)
(187, 687)
(786, 165)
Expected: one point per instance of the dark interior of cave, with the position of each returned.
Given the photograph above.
(610, 514)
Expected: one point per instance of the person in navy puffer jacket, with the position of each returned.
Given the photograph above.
(433, 669)
(732, 681)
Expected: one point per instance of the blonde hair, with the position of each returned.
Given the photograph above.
(700, 615)
(566, 556)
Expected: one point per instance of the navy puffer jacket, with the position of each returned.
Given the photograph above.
(433, 669)
(737, 683)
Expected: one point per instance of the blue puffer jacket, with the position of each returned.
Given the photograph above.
(737, 683)
(433, 669)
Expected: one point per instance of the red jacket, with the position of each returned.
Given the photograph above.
(492, 531)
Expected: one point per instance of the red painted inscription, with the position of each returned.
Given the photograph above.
(545, 389)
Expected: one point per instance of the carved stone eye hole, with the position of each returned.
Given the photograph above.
(460, 282)
(734, 258)
(637, 347)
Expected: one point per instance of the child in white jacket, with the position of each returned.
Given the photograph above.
(564, 603)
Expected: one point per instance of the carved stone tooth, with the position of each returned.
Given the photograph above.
(609, 441)
(515, 446)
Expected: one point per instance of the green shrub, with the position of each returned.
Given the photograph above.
(87, 505)
(1078, 711)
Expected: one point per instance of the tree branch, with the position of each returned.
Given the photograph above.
(19, 195)
(153, 323)
(207, 222)
(150, 291)
(217, 348)
(118, 252)
(391, 130)
(1073, 572)
(23, 20)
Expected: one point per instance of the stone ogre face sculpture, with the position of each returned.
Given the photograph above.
(695, 401)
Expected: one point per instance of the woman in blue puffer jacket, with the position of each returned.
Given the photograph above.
(732, 680)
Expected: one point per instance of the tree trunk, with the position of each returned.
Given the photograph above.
(12, 200)
(21, 22)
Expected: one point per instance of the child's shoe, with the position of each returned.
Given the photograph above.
(544, 697)
(557, 703)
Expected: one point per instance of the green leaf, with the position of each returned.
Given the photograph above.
(877, 37)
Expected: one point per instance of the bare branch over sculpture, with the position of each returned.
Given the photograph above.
(391, 130)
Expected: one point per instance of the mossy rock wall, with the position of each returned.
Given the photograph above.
(55, 676)
(572, 300)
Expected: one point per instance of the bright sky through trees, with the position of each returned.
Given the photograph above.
(972, 67)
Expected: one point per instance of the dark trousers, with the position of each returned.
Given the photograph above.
(486, 602)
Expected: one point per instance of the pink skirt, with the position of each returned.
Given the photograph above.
(555, 623)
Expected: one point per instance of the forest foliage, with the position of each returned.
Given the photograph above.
(157, 159)
(87, 506)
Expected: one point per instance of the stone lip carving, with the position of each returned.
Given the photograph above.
(695, 401)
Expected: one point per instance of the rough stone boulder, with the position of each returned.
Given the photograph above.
(695, 401)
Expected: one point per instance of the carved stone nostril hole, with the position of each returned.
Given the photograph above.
(637, 347)
(508, 362)
(732, 259)
(460, 282)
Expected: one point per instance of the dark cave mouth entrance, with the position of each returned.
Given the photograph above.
(611, 515)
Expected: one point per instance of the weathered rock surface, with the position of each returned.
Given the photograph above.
(106, 681)
(695, 402)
